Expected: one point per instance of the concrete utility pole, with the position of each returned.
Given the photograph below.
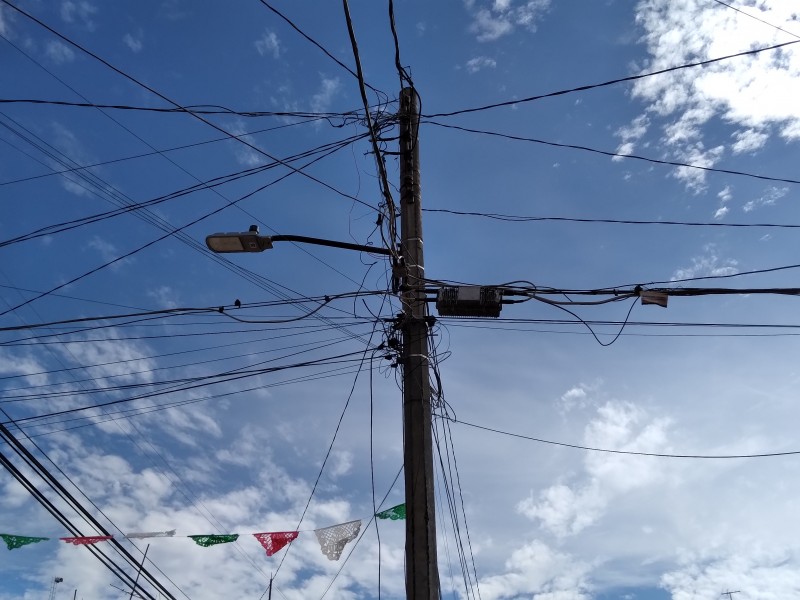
(422, 570)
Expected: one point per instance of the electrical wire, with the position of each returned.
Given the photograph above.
(373, 134)
(317, 44)
(130, 206)
(129, 413)
(68, 297)
(198, 109)
(584, 88)
(333, 439)
(57, 487)
(528, 219)
(156, 220)
(360, 537)
(173, 103)
(145, 246)
(162, 355)
(129, 374)
(260, 281)
(456, 321)
(656, 161)
(59, 516)
(249, 369)
(625, 452)
(322, 361)
(134, 441)
(746, 14)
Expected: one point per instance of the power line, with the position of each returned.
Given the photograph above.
(169, 233)
(670, 163)
(152, 153)
(457, 321)
(627, 452)
(210, 310)
(128, 413)
(299, 330)
(73, 393)
(391, 210)
(335, 432)
(156, 220)
(527, 219)
(720, 2)
(175, 104)
(59, 489)
(317, 44)
(654, 335)
(583, 88)
(198, 109)
(129, 206)
(321, 361)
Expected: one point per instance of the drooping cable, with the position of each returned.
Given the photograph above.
(626, 452)
(760, 20)
(656, 161)
(583, 88)
(373, 132)
(172, 102)
(316, 43)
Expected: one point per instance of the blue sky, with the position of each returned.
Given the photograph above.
(243, 455)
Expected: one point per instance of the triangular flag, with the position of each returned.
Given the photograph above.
(86, 540)
(273, 542)
(394, 513)
(332, 540)
(211, 540)
(150, 534)
(18, 541)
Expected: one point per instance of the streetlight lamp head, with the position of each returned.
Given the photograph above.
(246, 241)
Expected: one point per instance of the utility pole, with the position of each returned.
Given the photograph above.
(730, 594)
(422, 569)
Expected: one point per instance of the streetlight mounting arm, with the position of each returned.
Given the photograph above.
(251, 241)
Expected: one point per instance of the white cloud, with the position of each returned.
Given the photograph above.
(4, 27)
(480, 62)
(574, 397)
(329, 87)
(725, 194)
(269, 44)
(707, 264)
(165, 296)
(69, 144)
(504, 16)
(342, 463)
(749, 140)
(59, 52)
(489, 27)
(770, 196)
(134, 43)
(696, 154)
(20, 364)
(631, 134)
(82, 11)
(245, 155)
(107, 250)
(759, 573)
(721, 212)
(536, 571)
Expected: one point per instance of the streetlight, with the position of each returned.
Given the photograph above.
(251, 241)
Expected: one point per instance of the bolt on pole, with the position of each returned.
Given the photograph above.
(422, 574)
